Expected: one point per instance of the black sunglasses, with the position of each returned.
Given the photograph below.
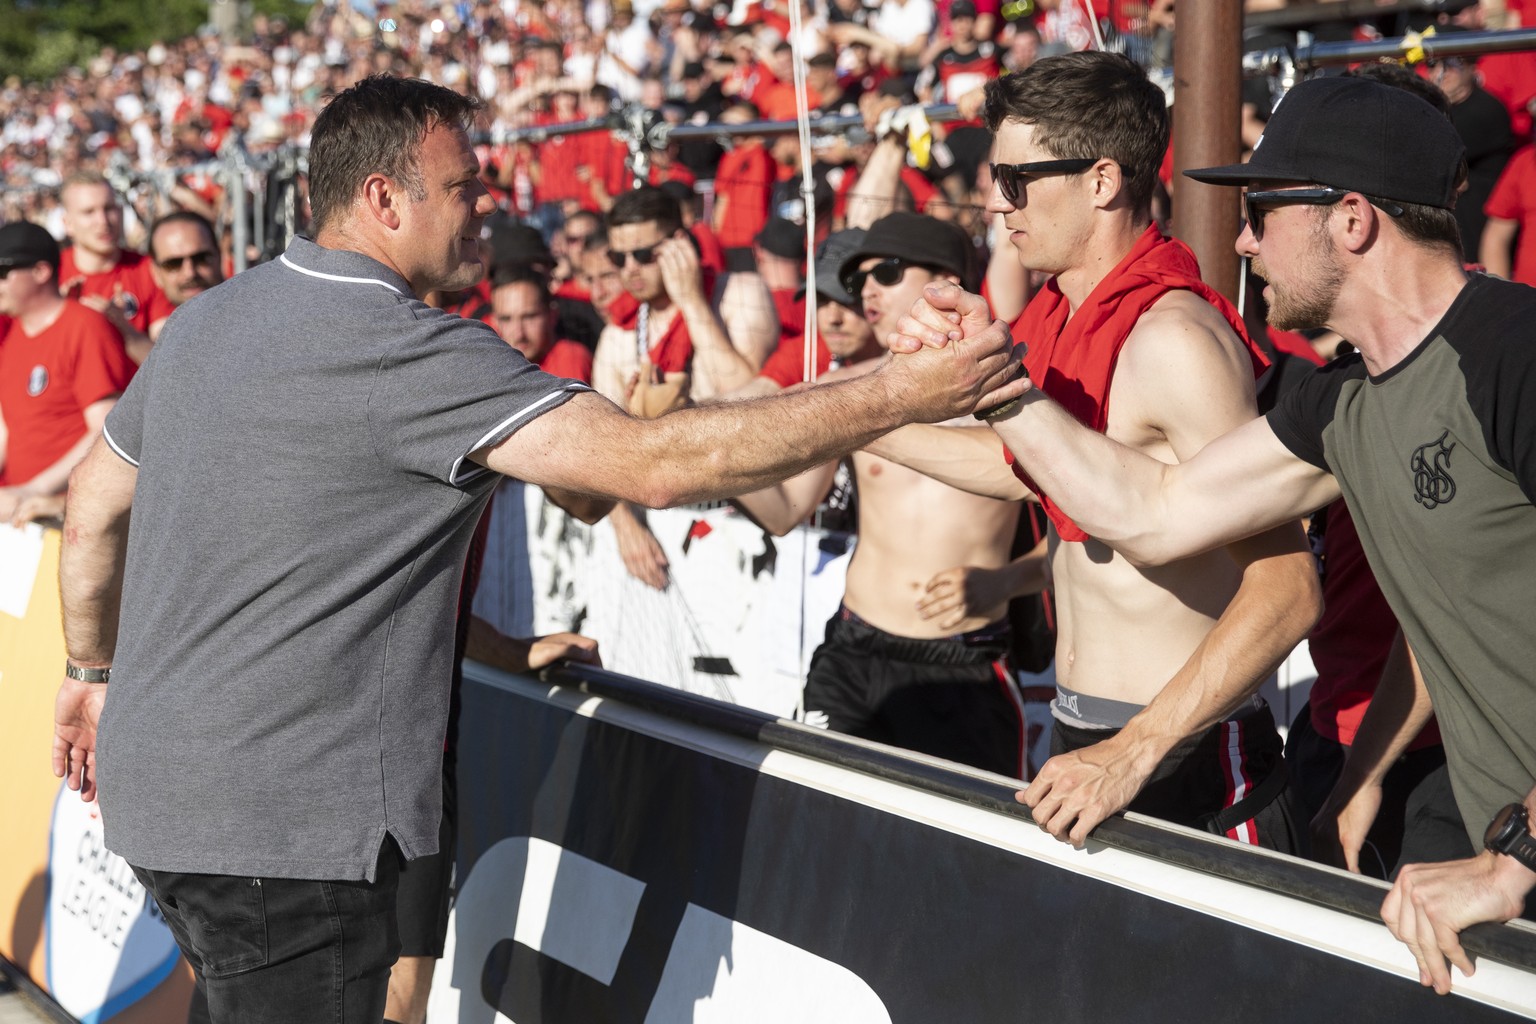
(1012, 178)
(576, 239)
(171, 264)
(645, 256)
(1254, 203)
(887, 272)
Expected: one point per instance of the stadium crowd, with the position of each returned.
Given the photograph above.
(688, 289)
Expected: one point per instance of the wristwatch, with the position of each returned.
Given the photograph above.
(87, 675)
(1510, 832)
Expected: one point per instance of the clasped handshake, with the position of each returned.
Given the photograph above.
(955, 357)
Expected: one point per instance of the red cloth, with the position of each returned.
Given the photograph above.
(557, 160)
(1350, 643)
(569, 359)
(1514, 198)
(711, 252)
(475, 304)
(1511, 79)
(672, 352)
(789, 303)
(786, 366)
(1293, 344)
(605, 157)
(47, 381)
(745, 180)
(1073, 360)
(143, 301)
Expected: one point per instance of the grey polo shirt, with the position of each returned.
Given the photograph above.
(303, 510)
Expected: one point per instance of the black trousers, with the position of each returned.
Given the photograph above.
(283, 950)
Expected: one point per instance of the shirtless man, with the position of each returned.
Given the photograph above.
(97, 270)
(701, 338)
(886, 671)
(1156, 668)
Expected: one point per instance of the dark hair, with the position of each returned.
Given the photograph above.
(182, 217)
(522, 275)
(1400, 77)
(596, 219)
(376, 127)
(644, 204)
(1086, 106)
(1430, 226)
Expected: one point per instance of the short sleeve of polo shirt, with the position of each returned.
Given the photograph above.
(453, 387)
(1303, 414)
(124, 426)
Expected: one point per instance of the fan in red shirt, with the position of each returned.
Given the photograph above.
(62, 367)
(525, 318)
(97, 270)
(743, 184)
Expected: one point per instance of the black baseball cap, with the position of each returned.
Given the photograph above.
(962, 9)
(516, 243)
(782, 238)
(915, 238)
(1354, 134)
(24, 244)
(829, 260)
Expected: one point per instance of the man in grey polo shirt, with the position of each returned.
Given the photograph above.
(305, 456)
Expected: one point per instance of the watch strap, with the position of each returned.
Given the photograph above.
(1515, 838)
(88, 675)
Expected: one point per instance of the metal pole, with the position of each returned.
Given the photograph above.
(1206, 109)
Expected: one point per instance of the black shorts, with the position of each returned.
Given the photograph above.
(426, 884)
(1229, 780)
(955, 697)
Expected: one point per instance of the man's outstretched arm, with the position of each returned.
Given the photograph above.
(90, 586)
(723, 450)
(1242, 483)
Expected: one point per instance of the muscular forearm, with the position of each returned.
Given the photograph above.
(93, 553)
(1154, 512)
(1276, 604)
(969, 459)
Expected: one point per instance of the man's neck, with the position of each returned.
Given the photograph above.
(1387, 307)
(346, 238)
(1108, 245)
(88, 261)
(40, 314)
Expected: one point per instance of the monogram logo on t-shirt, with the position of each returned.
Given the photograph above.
(37, 381)
(1431, 463)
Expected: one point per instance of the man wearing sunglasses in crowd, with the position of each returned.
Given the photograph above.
(1426, 434)
(889, 669)
(677, 334)
(184, 255)
(1158, 669)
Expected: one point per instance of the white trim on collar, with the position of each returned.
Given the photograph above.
(335, 277)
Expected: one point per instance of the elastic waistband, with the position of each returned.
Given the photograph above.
(979, 646)
(1089, 712)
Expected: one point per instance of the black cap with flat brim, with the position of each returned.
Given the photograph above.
(1354, 134)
